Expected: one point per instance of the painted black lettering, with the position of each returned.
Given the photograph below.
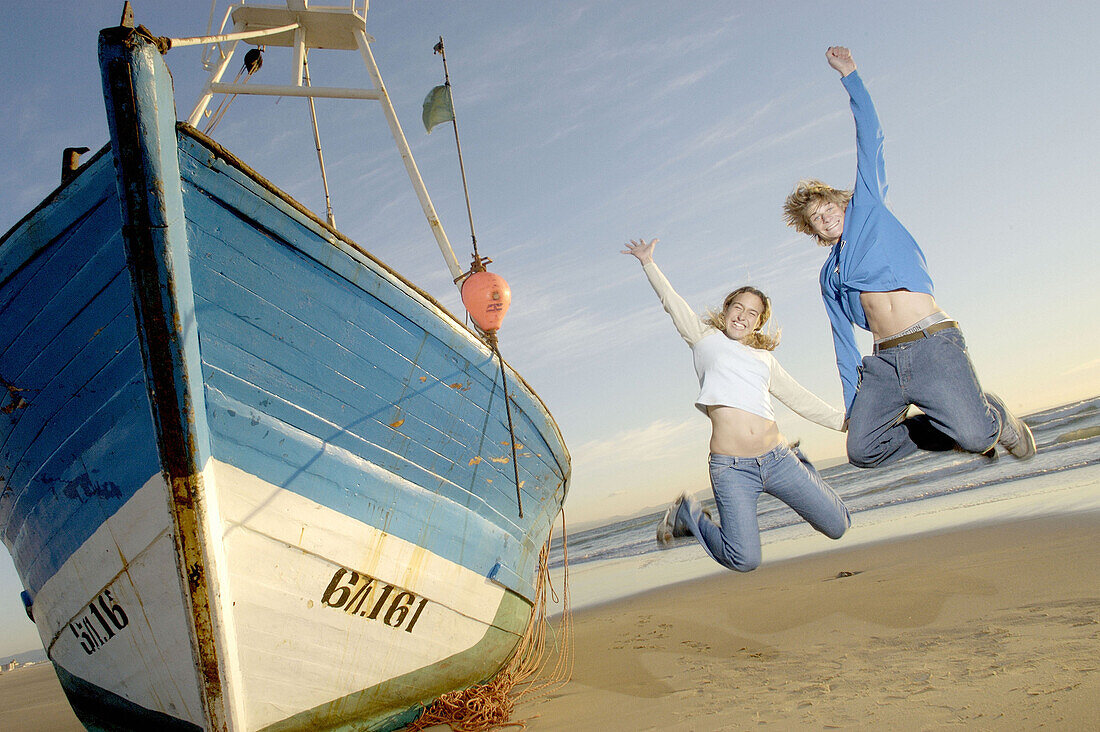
(356, 602)
(416, 615)
(114, 612)
(85, 641)
(381, 601)
(102, 621)
(399, 610)
(352, 592)
(110, 618)
(330, 596)
(93, 630)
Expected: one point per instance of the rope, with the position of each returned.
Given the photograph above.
(223, 107)
(527, 676)
(478, 265)
(491, 337)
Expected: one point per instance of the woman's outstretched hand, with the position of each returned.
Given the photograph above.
(641, 249)
(840, 58)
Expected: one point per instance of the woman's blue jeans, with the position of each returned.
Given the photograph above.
(934, 373)
(738, 482)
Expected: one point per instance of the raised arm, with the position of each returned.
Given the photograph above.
(870, 158)
(687, 323)
(802, 401)
(840, 58)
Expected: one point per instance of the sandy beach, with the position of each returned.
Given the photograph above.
(31, 700)
(987, 627)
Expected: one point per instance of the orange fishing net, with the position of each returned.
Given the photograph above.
(541, 663)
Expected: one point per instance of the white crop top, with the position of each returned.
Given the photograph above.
(732, 374)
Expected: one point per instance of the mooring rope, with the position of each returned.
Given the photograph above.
(528, 674)
(491, 337)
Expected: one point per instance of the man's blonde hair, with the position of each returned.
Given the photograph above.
(807, 196)
(757, 339)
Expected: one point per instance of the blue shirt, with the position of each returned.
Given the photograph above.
(875, 252)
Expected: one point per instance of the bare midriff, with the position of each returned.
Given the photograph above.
(892, 312)
(738, 433)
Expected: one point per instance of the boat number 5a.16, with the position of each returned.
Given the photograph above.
(367, 597)
(102, 622)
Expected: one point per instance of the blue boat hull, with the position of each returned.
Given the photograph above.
(251, 478)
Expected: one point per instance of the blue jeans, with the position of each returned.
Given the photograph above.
(935, 374)
(738, 482)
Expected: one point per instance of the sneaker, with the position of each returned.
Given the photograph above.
(666, 527)
(1015, 436)
(680, 529)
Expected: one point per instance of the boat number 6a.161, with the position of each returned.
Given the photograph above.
(360, 594)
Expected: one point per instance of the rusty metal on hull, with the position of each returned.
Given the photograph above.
(150, 233)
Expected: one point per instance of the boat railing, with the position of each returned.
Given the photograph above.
(302, 27)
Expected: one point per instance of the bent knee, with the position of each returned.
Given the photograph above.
(866, 455)
(836, 526)
(976, 443)
(866, 459)
(741, 564)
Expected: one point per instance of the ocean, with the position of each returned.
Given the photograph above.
(1068, 438)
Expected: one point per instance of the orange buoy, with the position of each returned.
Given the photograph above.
(486, 297)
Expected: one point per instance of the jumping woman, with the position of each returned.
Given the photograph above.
(738, 375)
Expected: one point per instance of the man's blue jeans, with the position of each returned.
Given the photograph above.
(738, 482)
(935, 374)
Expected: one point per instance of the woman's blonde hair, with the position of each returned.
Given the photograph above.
(757, 339)
(807, 195)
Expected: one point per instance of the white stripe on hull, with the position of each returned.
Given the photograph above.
(307, 633)
(299, 648)
(136, 640)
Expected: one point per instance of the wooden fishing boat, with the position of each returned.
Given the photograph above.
(252, 478)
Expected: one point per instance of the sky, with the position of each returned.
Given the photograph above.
(587, 123)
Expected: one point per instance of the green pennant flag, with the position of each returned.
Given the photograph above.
(437, 107)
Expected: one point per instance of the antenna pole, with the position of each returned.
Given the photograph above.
(458, 145)
(317, 142)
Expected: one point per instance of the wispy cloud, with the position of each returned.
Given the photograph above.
(772, 141)
(1082, 367)
(637, 467)
(654, 442)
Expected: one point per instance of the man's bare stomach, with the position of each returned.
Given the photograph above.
(892, 312)
(738, 433)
